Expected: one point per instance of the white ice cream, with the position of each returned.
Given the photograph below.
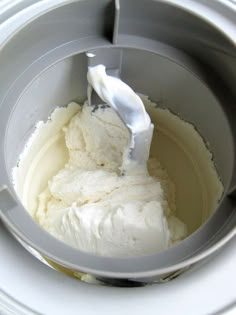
(68, 179)
(84, 176)
(90, 206)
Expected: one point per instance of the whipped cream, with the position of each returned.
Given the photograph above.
(100, 192)
(88, 205)
(81, 199)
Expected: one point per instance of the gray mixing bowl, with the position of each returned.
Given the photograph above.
(43, 64)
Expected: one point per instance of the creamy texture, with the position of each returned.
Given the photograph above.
(91, 207)
(68, 179)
